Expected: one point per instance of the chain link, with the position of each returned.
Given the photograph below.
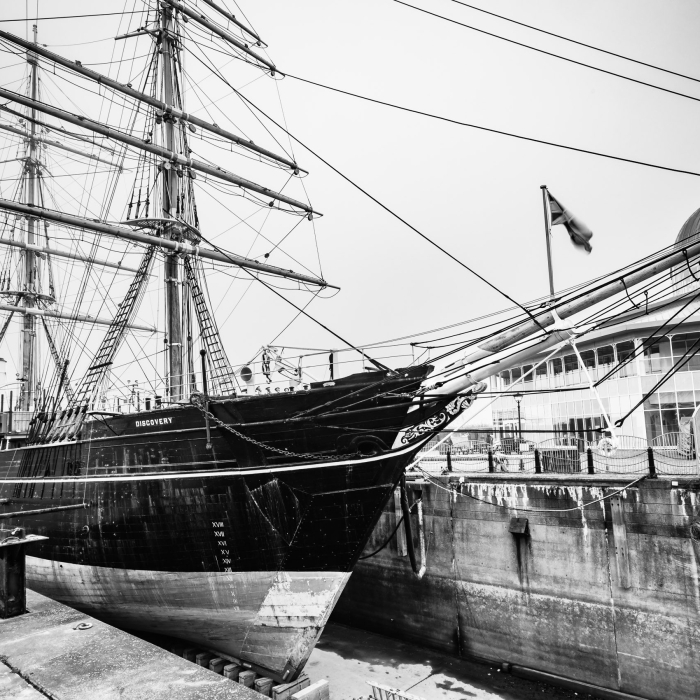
(197, 400)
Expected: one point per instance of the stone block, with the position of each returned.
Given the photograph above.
(247, 678)
(190, 654)
(231, 671)
(286, 690)
(264, 686)
(203, 658)
(217, 665)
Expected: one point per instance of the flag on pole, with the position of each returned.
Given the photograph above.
(578, 231)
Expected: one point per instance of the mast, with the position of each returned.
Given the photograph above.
(173, 300)
(28, 335)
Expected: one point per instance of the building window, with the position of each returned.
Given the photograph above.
(657, 356)
(556, 371)
(682, 344)
(606, 357)
(570, 363)
(505, 378)
(528, 374)
(624, 351)
(515, 374)
(588, 357)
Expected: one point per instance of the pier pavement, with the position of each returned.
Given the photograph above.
(56, 652)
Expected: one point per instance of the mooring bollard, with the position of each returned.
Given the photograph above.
(652, 466)
(491, 467)
(13, 594)
(538, 464)
(589, 457)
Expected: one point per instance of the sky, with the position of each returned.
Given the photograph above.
(475, 194)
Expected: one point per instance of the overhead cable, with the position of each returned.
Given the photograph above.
(550, 53)
(579, 43)
(457, 122)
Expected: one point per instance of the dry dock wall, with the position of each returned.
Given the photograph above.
(607, 594)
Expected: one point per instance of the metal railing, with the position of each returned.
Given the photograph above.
(672, 454)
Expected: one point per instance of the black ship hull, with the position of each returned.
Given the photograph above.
(243, 547)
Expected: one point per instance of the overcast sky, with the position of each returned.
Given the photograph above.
(474, 193)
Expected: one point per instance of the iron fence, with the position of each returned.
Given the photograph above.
(672, 454)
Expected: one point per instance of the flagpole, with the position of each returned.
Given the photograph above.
(548, 236)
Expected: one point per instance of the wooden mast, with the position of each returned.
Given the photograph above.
(170, 185)
(28, 335)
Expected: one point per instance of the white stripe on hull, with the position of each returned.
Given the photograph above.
(164, 475)
(268, 618)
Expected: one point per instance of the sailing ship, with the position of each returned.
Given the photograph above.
(217, 511)
(221, 509)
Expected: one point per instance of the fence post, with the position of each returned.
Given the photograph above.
(652, 466)
(589, 457)
(491, 467)
(538, 465)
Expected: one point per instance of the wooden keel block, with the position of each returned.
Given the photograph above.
(286, 690)
(264, 686)
(231, 671)
(190, 654)
(320, 690)
(247, 678)
(203, 658)
(217, 665)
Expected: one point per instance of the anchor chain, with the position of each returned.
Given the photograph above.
(197, 400)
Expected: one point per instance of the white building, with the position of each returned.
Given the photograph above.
(655, 336)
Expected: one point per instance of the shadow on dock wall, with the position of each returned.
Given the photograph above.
(608, 594)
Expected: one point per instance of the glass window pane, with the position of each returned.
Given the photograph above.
(588, 357)
(515, 374)
(652, 419)
(570, 363)
(652, 402)
(685, 399)
(624, 351)
(556, 365)
(667, 399)
(669, 421)
(541, 371)
(682, 342)
(606, 355)
(657, 355)
(505, 378)
(528, 377)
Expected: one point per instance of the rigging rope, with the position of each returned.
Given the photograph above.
(376, 201)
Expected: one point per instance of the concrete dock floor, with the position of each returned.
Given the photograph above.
(59, 653)
(348, 658)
